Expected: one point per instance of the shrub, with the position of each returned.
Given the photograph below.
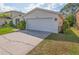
(21, 25)
(71, 19)
(11, 23)
(5, 24)
(65, 26)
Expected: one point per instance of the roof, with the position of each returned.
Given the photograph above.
(13, 11)
(50, 11)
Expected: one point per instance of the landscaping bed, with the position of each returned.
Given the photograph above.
(57, 44)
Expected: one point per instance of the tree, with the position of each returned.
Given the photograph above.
(71, 19)
(65, 26)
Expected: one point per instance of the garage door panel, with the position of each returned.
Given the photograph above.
(43, 25)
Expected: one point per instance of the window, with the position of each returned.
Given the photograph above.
(55, 19)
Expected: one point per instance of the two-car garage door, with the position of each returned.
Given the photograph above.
(48, 25)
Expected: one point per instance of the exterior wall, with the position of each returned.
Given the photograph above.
(77, 19)
(2, 20)
(18, 17)
(61, 21)
(14, 15)
(39, 14)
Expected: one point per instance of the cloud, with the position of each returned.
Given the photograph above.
(4, 8)
(32, 6)
(29, 6)
(49, 6)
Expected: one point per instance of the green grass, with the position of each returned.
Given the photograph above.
(6, 30)
(57, 44)
(68, 36)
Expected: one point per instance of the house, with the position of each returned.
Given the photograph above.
(15, 16)
(77, 18)
(44, 20)
(3, 18)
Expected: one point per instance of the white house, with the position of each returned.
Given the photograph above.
(3, 19)
(44, 20)
(16, 16)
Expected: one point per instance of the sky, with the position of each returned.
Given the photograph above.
(25, 7)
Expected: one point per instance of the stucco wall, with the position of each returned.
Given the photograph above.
(14, 15)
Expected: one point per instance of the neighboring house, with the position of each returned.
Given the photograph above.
(44, 20)
(3, 19)
(16, 16)
(77, 18)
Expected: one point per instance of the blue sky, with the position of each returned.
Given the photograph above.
(25, 7)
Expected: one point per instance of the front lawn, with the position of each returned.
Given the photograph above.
(69, 36)
(57, 44)
(6, 30)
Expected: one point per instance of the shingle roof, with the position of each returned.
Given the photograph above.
(50, 11)
(13, 11)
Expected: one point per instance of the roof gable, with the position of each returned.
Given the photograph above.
(49, 11)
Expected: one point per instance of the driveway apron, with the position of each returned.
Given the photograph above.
(18, 43)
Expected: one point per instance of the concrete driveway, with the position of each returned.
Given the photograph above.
(20, 42)
(35, 33)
